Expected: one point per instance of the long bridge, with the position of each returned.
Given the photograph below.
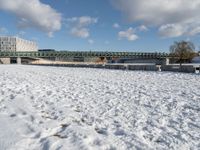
(85, 55)
(43, 54)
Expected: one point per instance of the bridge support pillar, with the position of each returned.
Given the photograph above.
(167, 61)
(19, 60)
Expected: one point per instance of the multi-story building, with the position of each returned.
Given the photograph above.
(16, 44)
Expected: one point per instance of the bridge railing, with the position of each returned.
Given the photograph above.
(82, 54)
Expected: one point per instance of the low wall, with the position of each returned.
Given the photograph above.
(178, 68)
(144, 67)
(5, 60)
(132, 67)
(107, 66)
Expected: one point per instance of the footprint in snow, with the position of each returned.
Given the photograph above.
(12, 96)
(49, 93)
(13, 115)
(119, 132)
(101, 130)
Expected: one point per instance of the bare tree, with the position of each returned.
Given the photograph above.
(183, 51)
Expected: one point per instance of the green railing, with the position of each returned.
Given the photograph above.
(43, 54)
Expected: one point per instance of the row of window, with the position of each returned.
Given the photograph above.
(8, 40)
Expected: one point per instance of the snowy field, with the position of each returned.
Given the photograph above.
(87, 109)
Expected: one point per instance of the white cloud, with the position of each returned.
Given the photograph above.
(83, 20)
(180, 16)
(80, 32)
(129, 34)
(171, 30)
(176, 30)
(158, 11)
(33, 14)
(90, 41)
(142, 28)
(86, 20)
(116, 25)
(194, 31)
(81, 25)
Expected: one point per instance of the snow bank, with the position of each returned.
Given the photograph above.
(77, 108)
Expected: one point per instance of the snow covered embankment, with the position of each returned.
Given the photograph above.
(77, 108)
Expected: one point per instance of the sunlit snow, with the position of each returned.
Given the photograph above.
(82, 108)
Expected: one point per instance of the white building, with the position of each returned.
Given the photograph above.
(16, 44)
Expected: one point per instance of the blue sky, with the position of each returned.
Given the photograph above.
(104, 25)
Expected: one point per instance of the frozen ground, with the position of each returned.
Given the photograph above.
(77, 108)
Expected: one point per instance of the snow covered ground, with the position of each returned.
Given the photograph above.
(77, 108)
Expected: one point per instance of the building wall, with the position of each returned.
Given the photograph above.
(4, 60)
(16, 44)
(25, 45)
(7, 44)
